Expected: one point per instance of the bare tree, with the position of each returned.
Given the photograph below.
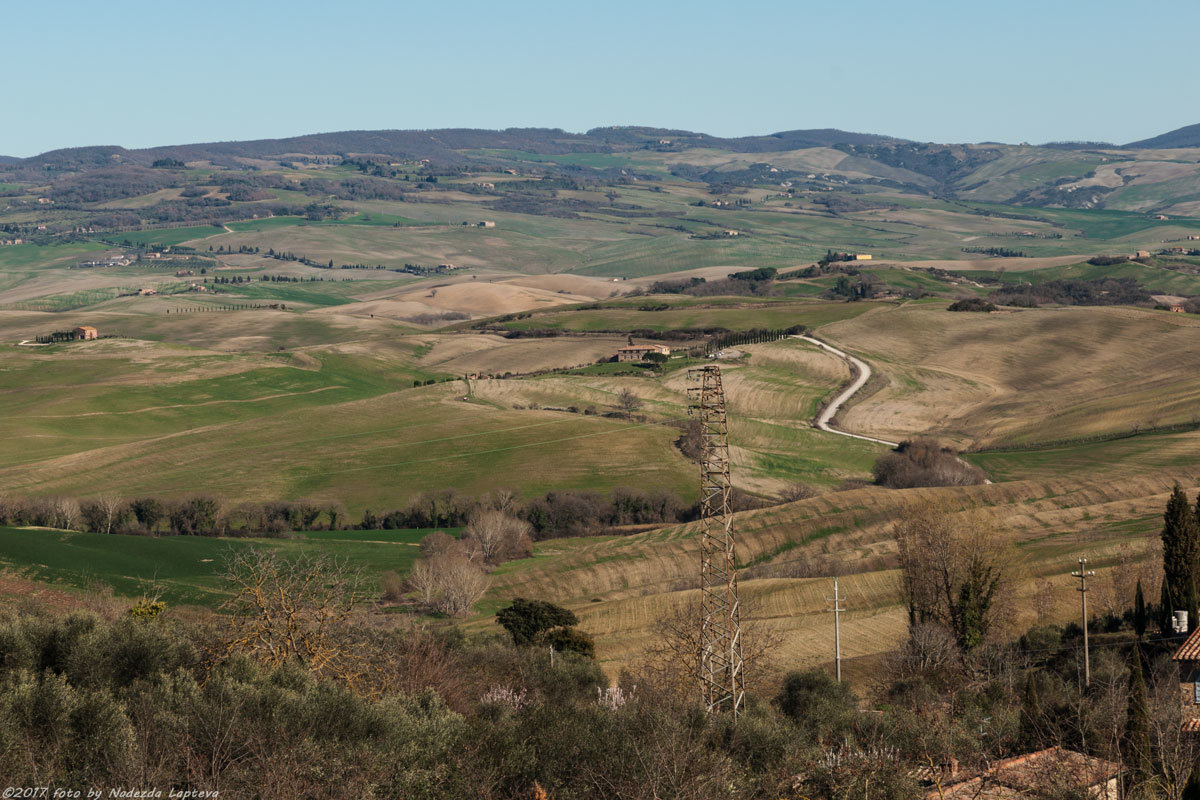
(504, 500)
(498, 536)
(952, 570)
(111, 508)
(1043, 601)
(459, 583)
(628, 401)
(422, 581)
(65, 513)
(797, 491)
(671, 663)
(285, 609)
(1117, 590)
(1177, 749)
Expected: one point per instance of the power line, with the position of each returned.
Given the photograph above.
(837, 628)
(722, 683)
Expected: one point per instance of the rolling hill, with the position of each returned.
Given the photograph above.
(1187, 136)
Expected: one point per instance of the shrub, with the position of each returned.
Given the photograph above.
(526, 620)
(570, 640)
(923, 462)
(971, 304)
(820, 707)
(391, 587)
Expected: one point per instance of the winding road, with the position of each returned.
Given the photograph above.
(864, 375)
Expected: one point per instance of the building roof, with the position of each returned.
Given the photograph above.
(85, 328)
(1031, 774)
(1190, 649)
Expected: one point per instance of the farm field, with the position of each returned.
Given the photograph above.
(621, 586)
(452, 324)
(184, 569)
(1021, 377)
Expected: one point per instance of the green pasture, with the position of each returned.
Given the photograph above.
(1144, 452)
(183, 570)
(168, 237)
(24, 256)
(1155, 278)
(312, 293)
(1093, 223)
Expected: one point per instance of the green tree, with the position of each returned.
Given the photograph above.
(1139, 611)
(820, 707)
(1181, 549)
(1032, 715)
(1136, 745)
(1164, 608)
(527, 620)
(570, 640)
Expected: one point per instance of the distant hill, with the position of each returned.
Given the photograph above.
(445, 145)
(9, 160)
(1187, 136)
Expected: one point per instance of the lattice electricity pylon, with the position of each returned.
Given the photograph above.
(721, 680)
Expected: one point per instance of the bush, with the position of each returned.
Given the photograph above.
(526, 620)
(820, 707)
(391, 587)
(195, 516)
(923, 462)
(971, 304)
(570, 640)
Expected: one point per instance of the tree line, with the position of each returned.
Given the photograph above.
(551, 515)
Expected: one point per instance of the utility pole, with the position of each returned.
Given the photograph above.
(722, 684)
(837, 629)
(1083, 574)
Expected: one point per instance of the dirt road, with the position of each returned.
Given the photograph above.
(864, 374)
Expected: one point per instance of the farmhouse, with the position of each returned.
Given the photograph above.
(638, 352)
(85, 332)
(862, 257)
(1142, 254)
(487, 223)
(731, 233)
(1028, 776)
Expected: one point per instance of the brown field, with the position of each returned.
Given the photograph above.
(1025, 376)
(622, 585)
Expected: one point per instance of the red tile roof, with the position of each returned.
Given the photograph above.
(1190, 649)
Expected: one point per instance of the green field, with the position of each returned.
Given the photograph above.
(167, 236)
(1155, 278)
(185, 569)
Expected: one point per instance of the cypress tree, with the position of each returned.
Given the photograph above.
(1181, 549)
(1190, 605)
(1139, 611)
(1136, 745)
(1164, 608)
(1031, 714)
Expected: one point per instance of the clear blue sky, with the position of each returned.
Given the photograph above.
(140, 73)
